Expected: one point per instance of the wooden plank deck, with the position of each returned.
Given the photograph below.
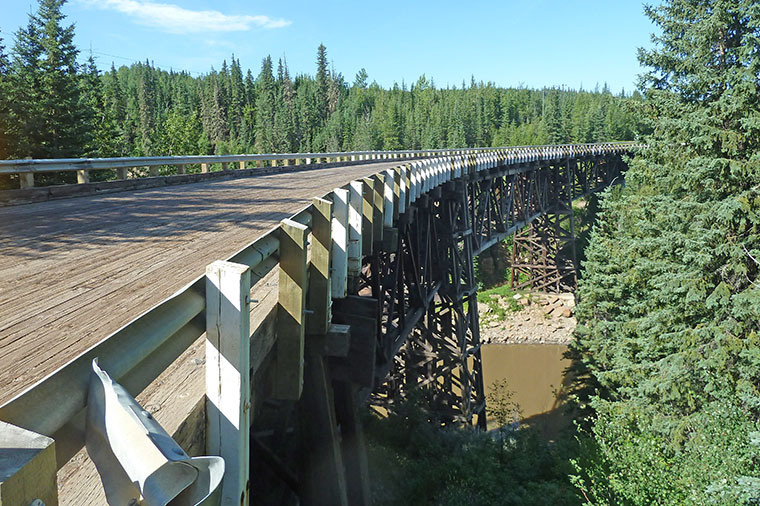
(73, 271)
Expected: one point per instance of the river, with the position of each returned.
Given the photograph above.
(534, 373)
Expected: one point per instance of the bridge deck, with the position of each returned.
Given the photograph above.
(72, 271)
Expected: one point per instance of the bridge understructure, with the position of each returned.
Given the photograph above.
(376, 302)
(429, 334)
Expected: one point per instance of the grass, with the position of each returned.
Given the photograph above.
(491, 298)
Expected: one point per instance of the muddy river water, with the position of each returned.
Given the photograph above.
(534, 375)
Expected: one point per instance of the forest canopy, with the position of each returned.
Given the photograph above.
(53, 106)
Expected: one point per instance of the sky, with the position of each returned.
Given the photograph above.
(533, 43)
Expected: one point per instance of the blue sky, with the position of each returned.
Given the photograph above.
(533, 43)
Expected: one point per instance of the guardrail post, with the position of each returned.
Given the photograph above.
(339, 268)
(355, 249)
(204, 168)
(83, 176)
(121, 173)
(27, 467)
(225, 165)
(153, 170)
(228, 342)
(26, 180)
(318, 304)
(288, 378)
(368, 204)
(181, 168)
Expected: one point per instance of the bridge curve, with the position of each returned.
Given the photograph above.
(76, 270)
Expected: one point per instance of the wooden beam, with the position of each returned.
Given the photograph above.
(318, 302)
(323, 472)
(27, 467)
(339, 267)
(361, 314)
(228, 410)
(288, 377)
(353, 444)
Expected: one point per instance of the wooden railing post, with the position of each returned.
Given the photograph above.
(83, 176)
(228, 342)
(26, 180)
(181, 168)
(355, 238)
(204, 168)
(27, 467)
(288, 378)
(339, 268)
(318, 304)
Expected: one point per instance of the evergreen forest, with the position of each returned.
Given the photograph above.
(52, 105)
(666, 357)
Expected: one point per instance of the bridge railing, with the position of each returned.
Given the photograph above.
(318, 251)
(133, 167)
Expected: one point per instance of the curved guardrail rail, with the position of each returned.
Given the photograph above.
(26, 169)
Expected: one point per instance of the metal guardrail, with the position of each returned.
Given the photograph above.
(137, 353)
(26, 169)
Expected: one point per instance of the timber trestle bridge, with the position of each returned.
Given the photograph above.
(309, 309)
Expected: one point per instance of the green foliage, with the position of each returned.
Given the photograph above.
(414, 462)
(59, 108)
(667, 350)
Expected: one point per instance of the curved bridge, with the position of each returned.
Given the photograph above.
(369, 289)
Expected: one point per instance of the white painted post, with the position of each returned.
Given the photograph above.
(339, 268)
(228, 341)
(402, 190)
(355, 217)
(83, 176)
(390, 177)
(416, 181)
(26, 180)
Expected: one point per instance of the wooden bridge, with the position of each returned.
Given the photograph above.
(320, 305)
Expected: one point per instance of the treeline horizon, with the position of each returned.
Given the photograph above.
(51, 106)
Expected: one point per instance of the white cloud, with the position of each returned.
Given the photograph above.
(175, 19)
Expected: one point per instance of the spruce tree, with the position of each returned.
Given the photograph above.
(63, 122)
(322, 83)
(669, 295)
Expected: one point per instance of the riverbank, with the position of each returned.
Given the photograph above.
(530, 318)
